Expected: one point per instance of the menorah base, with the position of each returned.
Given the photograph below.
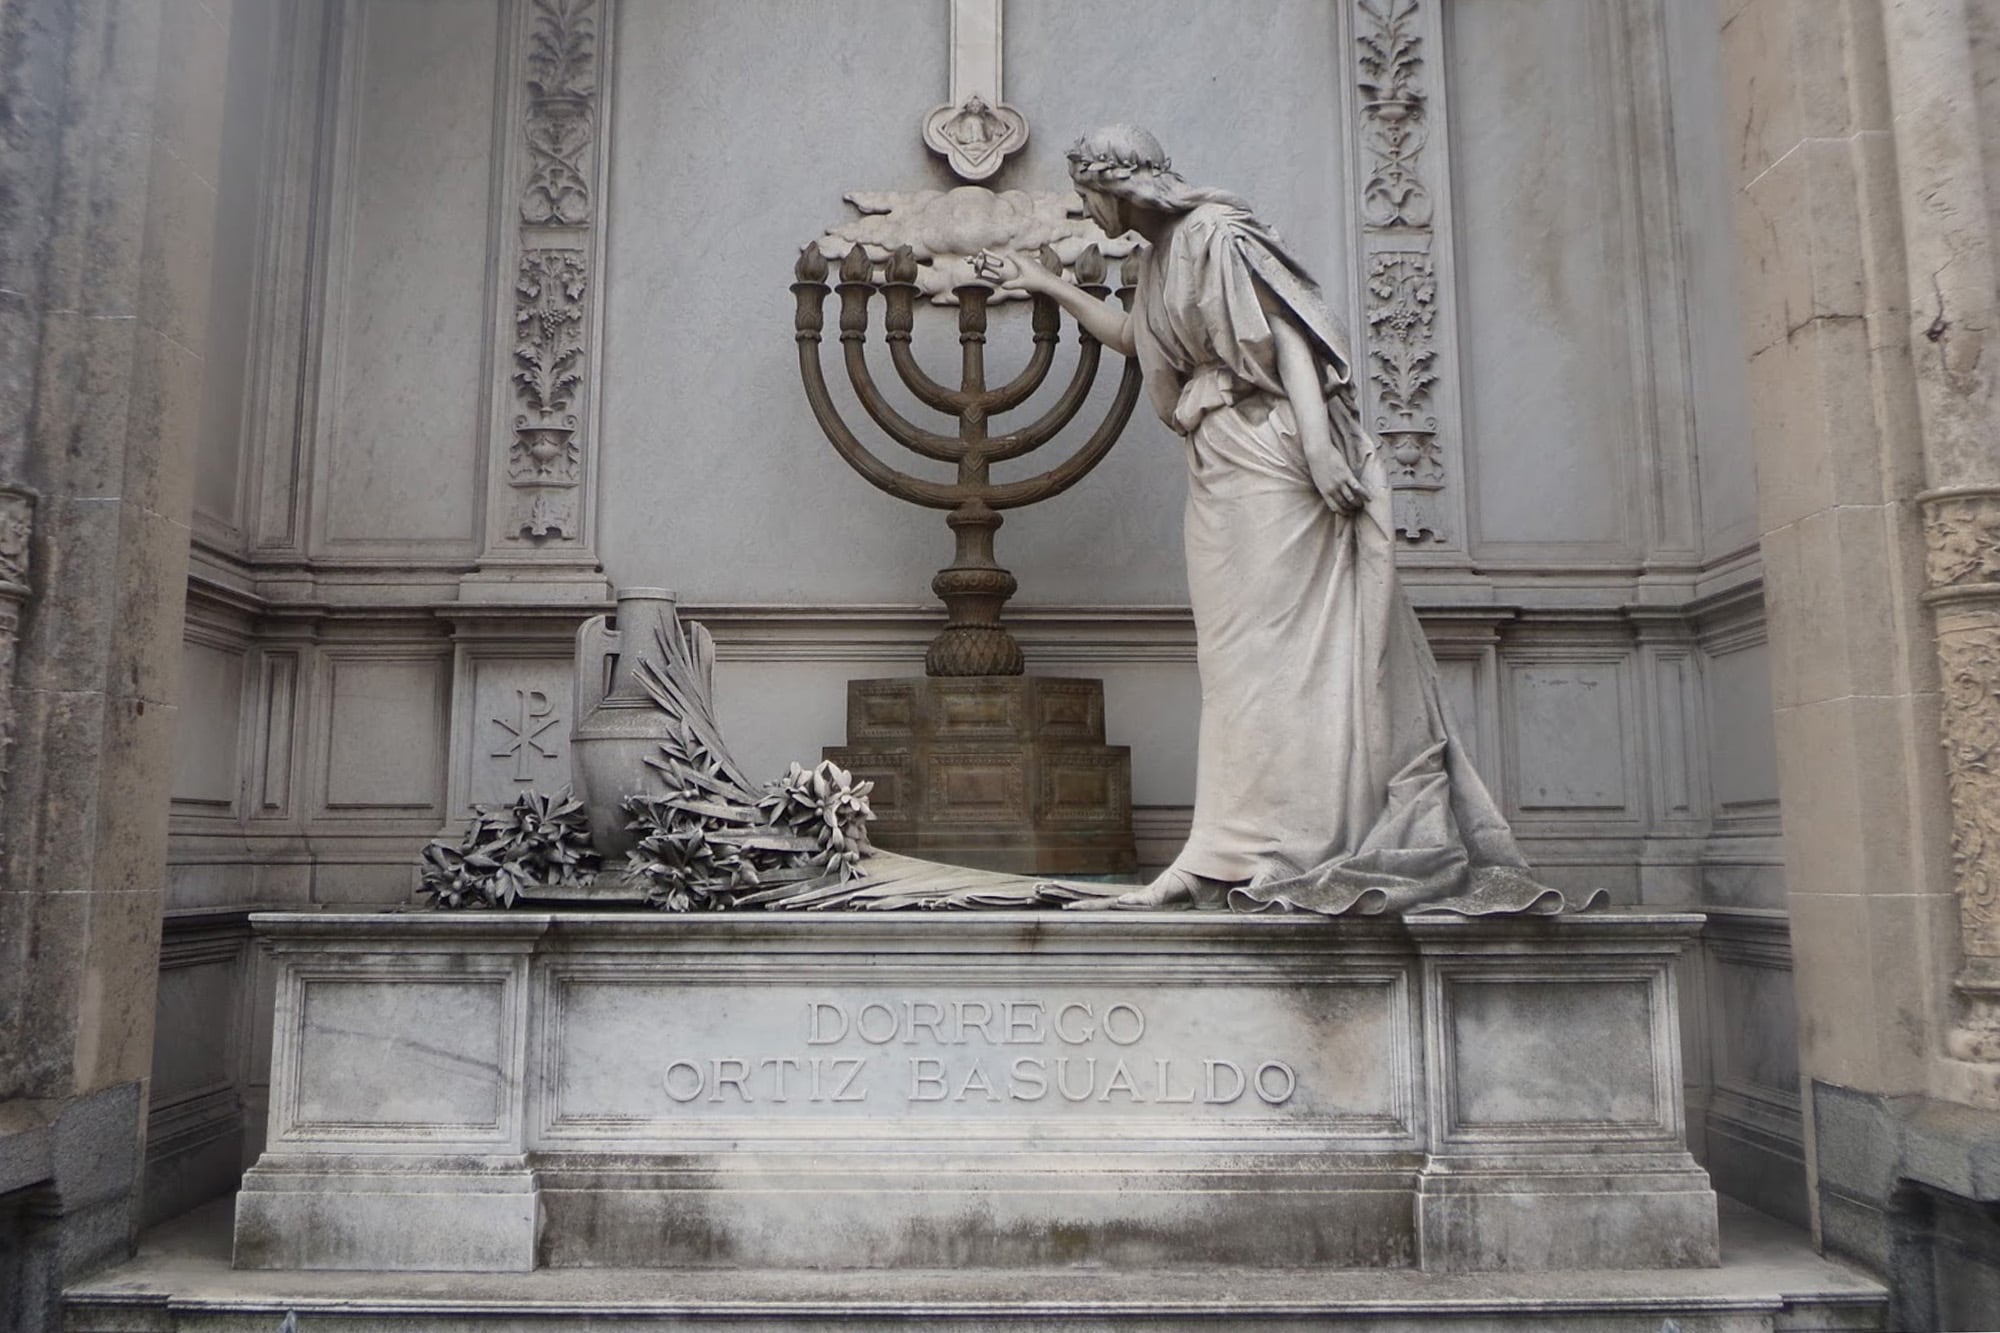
(998, 772)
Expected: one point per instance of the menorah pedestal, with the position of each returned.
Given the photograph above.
(999, 772)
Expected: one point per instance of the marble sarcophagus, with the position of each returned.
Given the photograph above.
(503, 1091)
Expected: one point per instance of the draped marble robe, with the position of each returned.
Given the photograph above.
(1330, 777)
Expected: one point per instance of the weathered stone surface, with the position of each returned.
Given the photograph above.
(1769, 1281)
(996, 1089)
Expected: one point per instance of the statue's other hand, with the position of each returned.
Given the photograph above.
(1344, 492)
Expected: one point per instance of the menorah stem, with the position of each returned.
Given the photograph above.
(973, 588)
(972, 339)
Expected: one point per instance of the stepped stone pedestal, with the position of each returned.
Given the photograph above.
(509, 1091)
(999, 772)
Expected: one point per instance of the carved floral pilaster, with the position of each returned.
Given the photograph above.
(542, 491)
(1406, 330)
(17, 528)
(1962, 564)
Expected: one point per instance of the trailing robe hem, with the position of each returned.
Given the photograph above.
(1330, 777)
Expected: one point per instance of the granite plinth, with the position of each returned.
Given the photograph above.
(507, 1091)
(999, 772)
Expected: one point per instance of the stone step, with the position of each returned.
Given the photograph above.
(182, 1282)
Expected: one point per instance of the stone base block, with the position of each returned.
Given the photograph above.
(440, 1220)
(1548, 1222)
(1000, 772)
(1024, 1090)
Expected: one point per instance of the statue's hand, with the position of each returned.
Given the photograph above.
(1342, 489)
(1006, 271)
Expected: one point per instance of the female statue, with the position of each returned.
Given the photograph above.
(1330, 776)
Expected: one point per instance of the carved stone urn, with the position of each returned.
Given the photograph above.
(617, 727)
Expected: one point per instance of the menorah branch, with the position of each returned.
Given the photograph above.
(974, 587)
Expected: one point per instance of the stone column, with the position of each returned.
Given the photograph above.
(1954, 340)
(110, 115)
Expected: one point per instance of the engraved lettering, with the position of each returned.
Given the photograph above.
(1160, 1082)
(960, 1008)
(926, 1073)
(1089, 1027)
(816, 1032)
(1031, 1080)
(1089, 1078)
(1284, 1071)
(694, 1070)
(1136, 1024)
(1212, 1089)
(861, 1023)
(776, 1064)
(728, 1073)
(1024, 1022)
(925, 1016)
(1121, 1077)
(975, 1077)
(853, 1071)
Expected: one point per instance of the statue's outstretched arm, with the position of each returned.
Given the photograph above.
(1106, 323)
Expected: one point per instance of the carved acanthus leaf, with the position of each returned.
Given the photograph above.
(1970, 660)
(1394, 106)
(1402, 304)
(17, 526)
(561, 65)
(1962, 536)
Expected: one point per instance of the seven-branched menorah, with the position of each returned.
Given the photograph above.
(973, 587)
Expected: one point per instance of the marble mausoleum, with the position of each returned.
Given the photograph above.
(355, 353)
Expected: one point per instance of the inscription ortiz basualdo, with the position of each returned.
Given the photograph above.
(638, 1054)
(959, 1050)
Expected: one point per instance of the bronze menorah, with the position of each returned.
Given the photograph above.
(973, 587)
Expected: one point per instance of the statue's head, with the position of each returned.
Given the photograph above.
(1121, 167)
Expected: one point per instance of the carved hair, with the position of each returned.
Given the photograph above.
(1128, 162)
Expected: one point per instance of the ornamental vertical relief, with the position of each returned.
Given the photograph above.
(17, 527)
(1962, 567)
(551, 361)
(1407, 355)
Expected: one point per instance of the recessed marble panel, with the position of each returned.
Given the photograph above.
(514, 736)
(405, 441)
(393, 1051)
(1544, 1054)
(1758, 1044)
(194, 1025)
(208, 729)
(1542, 225)
(633, 1057)
(1569, 738)
(384, 734)
(1743, 747)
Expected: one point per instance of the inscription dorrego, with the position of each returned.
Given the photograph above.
(959, 1051)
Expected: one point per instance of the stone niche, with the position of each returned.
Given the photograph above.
(507, 1091)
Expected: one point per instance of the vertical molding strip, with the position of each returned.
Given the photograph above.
(1408, 354)
(541, 482)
